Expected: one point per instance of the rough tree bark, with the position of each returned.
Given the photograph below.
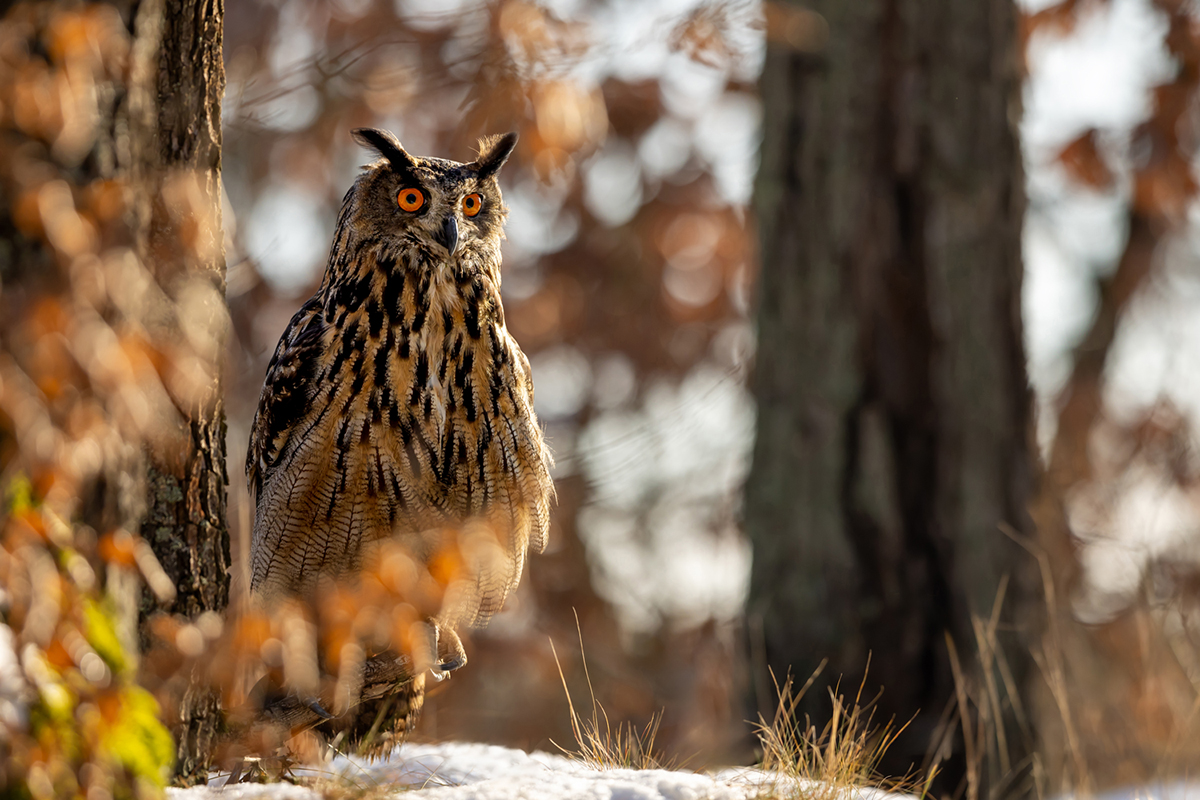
(175, 148)
(110, 229)
(893, 432)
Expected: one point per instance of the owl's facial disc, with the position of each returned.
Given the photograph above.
(447, 236)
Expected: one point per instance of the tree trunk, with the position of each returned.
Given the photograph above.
(176, 165)
(893, 437)
(112, 337)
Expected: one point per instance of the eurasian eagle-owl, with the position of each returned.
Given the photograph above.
(398, 407)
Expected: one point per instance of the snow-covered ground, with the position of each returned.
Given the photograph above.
(459, 771)
(462, 771)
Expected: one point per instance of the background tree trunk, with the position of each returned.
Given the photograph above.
(893, 432)
(176, 166)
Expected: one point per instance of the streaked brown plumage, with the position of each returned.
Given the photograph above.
(398, 406)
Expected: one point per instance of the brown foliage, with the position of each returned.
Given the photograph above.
(1123, 690)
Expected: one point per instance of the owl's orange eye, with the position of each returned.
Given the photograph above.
(471, 204)
(411, 199)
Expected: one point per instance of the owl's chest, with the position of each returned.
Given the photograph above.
(433, 361)
(417, 386)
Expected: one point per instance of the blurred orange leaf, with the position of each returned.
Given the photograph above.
(799, 28)
(1084, 162)
(1164, 189)
(1059, 18)
(253, 629)
(446, 566)
(26, 524)
(118, 547)
(57, 655)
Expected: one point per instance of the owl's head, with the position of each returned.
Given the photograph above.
(441, 204)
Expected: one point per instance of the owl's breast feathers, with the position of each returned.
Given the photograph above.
(397, 404)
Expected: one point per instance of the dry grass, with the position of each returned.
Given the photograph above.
(831, 763)
(341, 787)
(349, 785)
(601, 745)
(800, 762)
(986, 698)
(358, 784)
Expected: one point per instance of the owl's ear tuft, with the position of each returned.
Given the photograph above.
(493, 152)
(387, 145)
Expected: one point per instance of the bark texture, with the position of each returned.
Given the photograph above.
(893, 432)
(110, 230)
(175, 163)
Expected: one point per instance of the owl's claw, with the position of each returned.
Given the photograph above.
(450, 666)
(450, 651)
(313, 705)
(442, 670)
(287, 707)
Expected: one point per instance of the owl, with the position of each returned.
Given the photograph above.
(398, 411)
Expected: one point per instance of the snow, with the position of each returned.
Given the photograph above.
(460, 771)
(1179, 790)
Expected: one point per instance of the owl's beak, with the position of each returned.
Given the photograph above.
(447, 237)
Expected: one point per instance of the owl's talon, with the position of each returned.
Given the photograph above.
(442, 671)
(313, 705)
(450, 651)
(453, 664)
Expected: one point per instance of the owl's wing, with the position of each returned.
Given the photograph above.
(286, 392)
